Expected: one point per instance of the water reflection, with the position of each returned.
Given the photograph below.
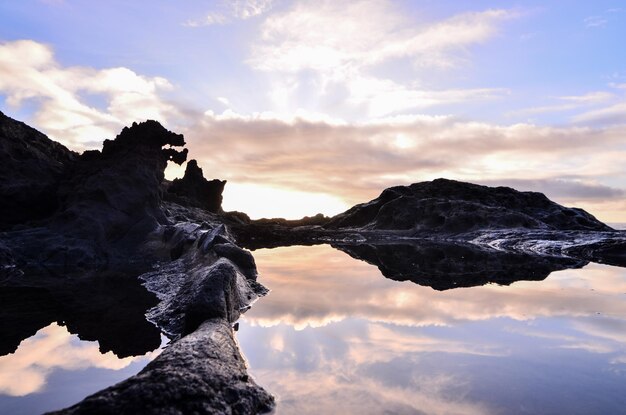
(54, 368)
(334, 336)
(63, 338)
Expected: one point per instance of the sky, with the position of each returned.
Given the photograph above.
(313, 106)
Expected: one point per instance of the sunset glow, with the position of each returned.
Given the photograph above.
(308, 107)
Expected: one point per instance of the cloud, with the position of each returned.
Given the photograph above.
(334, 47)
(233, 10)
(29, 73)
(356, 161)
(569, 103)
(595, 21)
(330, 36)
(567, 189)
(614, 114)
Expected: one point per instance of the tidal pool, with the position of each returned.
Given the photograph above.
(54, 369)
(335, 336)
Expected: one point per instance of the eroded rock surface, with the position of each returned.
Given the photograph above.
(70, 267)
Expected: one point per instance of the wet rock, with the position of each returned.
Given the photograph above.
(202, 373)
(194, 190)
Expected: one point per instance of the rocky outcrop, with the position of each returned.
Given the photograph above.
(107, 203)
(109, 217)
(452, 207)
(194, 190)
(202, 294)
(31, 169)
(104, 213)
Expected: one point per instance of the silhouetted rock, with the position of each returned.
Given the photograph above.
(446, 265)
(452, 207)
(194, 190)
(106, 210)
(31, 167)
(107, 202)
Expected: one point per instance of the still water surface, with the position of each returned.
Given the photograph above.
(54, 369)
(335, 336)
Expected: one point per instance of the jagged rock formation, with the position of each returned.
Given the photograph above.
(102, 214)
(109, 217)
(31, 168)
(449, 206)
(194, 190)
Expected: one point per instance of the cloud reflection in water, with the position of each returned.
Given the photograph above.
(335, 336)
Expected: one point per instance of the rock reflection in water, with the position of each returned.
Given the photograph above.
(334, 336)
(54, 368)
(65, 337)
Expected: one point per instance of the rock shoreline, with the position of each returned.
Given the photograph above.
(108, 216)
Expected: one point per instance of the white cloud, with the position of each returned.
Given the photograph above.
(595, 21)
(328, 52)
(29, 72)
(233, 9)
(333, 35)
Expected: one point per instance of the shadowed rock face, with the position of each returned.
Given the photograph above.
(444, 266)
(31, 167)
(194, 190)
(115, 194)
(110, 216)
(107, 202)
(108, 212)
(448, 206)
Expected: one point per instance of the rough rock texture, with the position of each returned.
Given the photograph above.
(31, 167)
(202, 294)
(203, 373)
(194, 190)
(108, 217)
(447, 265)
(448, 206)
(108, 203)
(103, 213)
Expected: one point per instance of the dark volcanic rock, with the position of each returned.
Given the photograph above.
(203, 373)
(31, 167)
(108, 203)
(115, 194)
(446, 265)
(194, 190)
(448, 206)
